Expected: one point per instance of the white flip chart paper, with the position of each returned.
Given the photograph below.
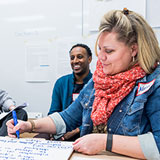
(34, 149)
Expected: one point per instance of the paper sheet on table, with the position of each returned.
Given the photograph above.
(34, 149)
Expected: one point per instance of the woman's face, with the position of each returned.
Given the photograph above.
(114, 55)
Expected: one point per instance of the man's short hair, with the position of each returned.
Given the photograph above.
(83, 46)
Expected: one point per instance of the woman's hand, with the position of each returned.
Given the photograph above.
(22, 126)
(90, 144)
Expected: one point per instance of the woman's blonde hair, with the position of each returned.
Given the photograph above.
(131, 28)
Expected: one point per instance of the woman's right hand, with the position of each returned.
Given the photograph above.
(22, 126)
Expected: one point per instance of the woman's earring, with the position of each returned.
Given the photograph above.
(133, 59)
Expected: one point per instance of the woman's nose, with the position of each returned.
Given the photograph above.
(102, 55)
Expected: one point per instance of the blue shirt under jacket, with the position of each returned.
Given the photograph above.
(138, 114)
(62, 92)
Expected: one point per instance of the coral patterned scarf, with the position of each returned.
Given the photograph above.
(110, 90)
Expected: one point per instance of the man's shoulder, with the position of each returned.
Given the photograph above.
(65, 77)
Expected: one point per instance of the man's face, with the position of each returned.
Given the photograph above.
(79, 60)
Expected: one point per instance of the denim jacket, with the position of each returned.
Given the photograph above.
(62, 92)
(138, 114)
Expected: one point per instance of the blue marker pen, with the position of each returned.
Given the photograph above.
(15, 121)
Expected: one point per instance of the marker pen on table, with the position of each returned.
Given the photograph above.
(15, 121)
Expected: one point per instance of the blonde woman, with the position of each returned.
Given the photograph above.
(120, 107)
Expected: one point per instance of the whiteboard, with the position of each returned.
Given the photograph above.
(38, 24)
(153, 12)
(95, 9)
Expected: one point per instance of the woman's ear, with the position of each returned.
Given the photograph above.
(134, 49)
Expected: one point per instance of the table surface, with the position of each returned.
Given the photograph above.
(103, 155)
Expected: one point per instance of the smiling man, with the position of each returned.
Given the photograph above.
(67, 88)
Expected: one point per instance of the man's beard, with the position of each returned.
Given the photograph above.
(81, 72)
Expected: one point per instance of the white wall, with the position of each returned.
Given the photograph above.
(53, 25)
(40, 23)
